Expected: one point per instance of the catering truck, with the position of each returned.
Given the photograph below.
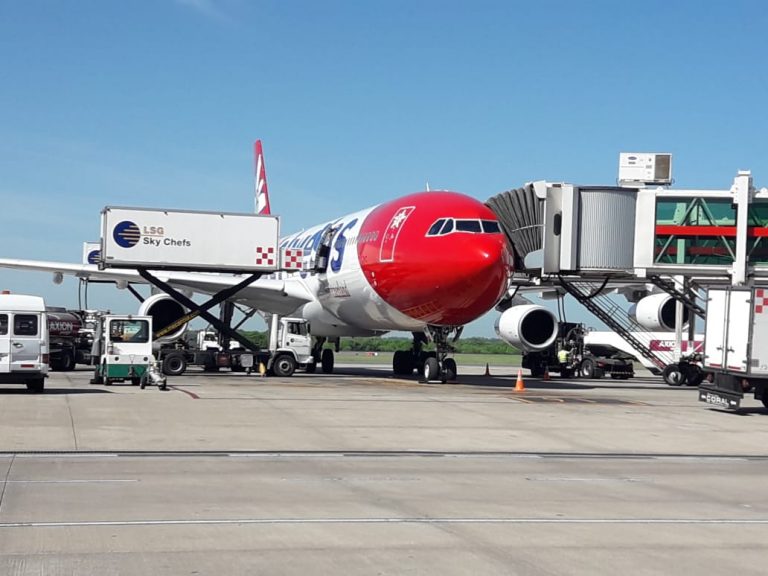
(292, 350)
(735, 346)
(23, 341)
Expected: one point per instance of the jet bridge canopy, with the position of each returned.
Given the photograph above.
(578, 229)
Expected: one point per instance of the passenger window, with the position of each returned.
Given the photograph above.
(448, 227)
(3, 324)
(491, 227)
(25, 325)
(468, 226)
(435, 228)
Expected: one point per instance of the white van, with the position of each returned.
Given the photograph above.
(23, 341)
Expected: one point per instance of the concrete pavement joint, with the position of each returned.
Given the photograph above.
(246, 521)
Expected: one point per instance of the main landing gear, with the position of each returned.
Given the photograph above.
(432, 366)
(323, 356)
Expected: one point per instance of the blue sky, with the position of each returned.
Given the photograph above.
(157, 103)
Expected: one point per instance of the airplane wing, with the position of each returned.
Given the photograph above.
(265, 294)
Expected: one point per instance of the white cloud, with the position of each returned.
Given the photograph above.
(209, 8)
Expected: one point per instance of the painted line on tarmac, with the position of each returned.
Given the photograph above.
(187, 392)
(297, 454)
(427, 521)
(103, 481)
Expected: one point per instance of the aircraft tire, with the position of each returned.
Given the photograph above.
(327, 361)
(402, 363)
(431, 369)
(450, 371)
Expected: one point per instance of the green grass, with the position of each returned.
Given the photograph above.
(461, 359)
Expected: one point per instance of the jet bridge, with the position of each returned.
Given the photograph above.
(578, 238)
(583, 238)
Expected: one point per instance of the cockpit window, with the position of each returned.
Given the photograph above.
(445, 226)
(491, 227)
(468, 226)
(435, 228)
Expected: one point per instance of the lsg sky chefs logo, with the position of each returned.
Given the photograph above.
(127, 234)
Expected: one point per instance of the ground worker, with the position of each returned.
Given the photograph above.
(564, 356)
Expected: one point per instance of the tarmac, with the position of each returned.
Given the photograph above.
(359, 472)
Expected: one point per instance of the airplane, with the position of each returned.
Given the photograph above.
(427, 263)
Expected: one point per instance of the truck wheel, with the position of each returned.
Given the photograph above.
(694, 375)
(588, 368)
(36, 385)
(673, 375)
(284, 365)
(174, 365)
(67, 362)
(326, 361)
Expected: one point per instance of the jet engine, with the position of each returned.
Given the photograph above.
(164, 310)
(528, 327)
(657, 313)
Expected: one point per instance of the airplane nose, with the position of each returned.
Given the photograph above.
(459, 283)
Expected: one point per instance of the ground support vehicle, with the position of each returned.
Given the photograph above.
(578, 361)
(735, 346)
(23, 341)
(293, 349)
(70, 335)
(123, 344)
(688, 370)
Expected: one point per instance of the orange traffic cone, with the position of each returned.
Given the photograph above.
(519, 386)
(546, 374)
(487, 370)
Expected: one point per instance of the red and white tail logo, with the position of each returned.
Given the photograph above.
(262, 195)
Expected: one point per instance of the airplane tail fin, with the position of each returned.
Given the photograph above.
(262, 194)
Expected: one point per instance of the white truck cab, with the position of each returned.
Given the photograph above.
(23, 341)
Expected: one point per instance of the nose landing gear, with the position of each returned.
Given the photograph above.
(431, 366)
(440, 367)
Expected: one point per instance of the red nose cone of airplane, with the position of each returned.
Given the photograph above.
(445, 279)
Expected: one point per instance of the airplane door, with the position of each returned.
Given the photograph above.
(25, 340)
(5, 345)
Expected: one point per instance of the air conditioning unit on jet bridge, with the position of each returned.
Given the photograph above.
(638, 169)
